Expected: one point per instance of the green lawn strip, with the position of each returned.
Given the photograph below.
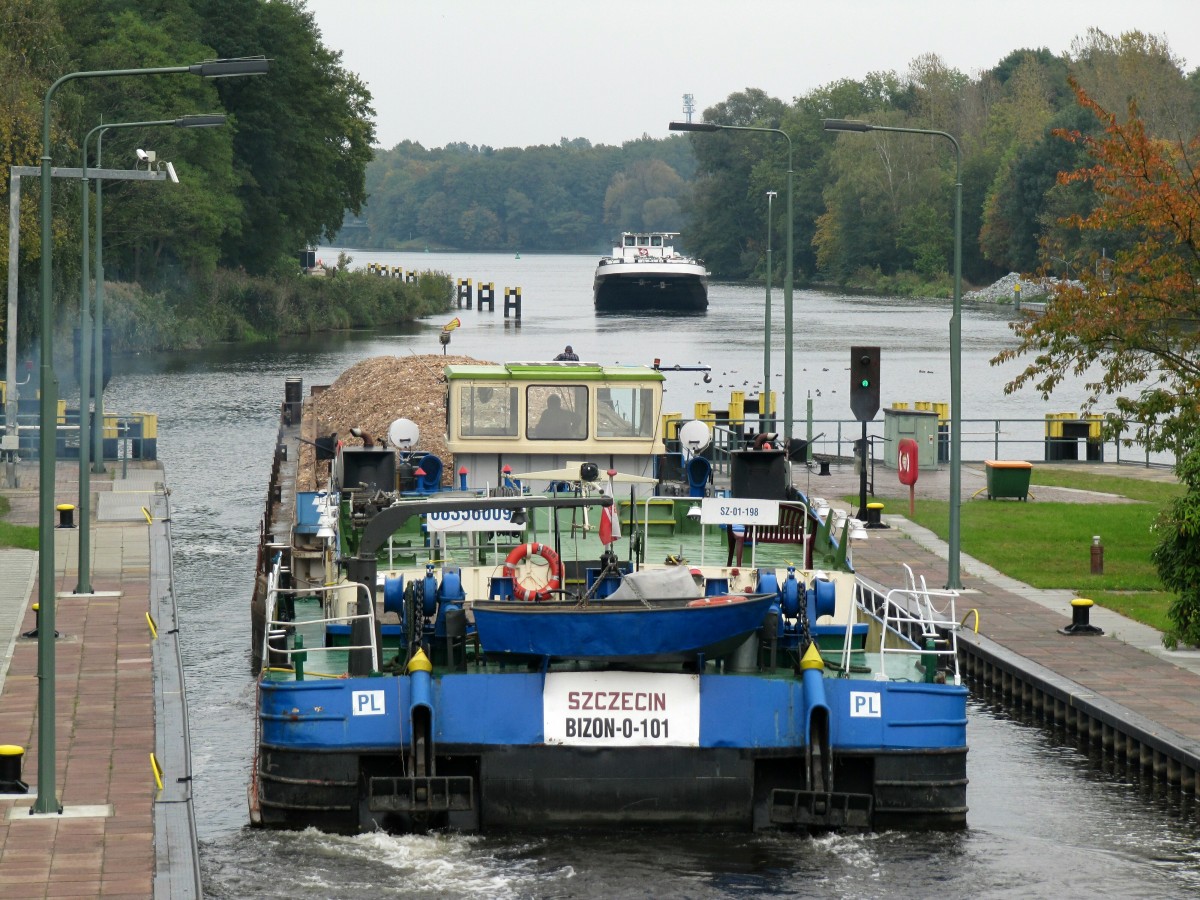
(1147, 607)
(1048, 544)
(21, 537)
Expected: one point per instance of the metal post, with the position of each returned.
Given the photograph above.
(10, 336)
(98, 336)
(787, 278)
(193, 121)
(765, 413)
(953, 579)
(47, 796)
(788, 362)
(84, 584)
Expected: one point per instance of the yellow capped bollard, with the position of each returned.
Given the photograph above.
(11, 756)
(1081, 609)
(66, 515)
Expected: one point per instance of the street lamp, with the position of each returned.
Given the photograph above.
(765, 411)
(84, 586)
(953, 581)
(47, 799)
(787, 278)
(191, 121)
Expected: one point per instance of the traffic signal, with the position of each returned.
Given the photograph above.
(864, 382)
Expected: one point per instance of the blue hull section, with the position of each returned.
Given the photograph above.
(477, 711)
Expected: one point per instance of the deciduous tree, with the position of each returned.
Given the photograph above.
(1130, 327)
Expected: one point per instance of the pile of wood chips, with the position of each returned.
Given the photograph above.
(372, 394)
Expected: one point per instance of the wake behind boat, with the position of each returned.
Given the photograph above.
(645, 272)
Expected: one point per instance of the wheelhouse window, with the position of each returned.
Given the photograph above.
(624, 412)
(656, 240)
(643, 240)
(487, 410)
(556, 412)
(630, 241)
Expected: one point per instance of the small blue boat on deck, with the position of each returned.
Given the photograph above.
(501, 657)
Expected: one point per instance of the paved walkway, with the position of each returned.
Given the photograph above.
(104, 842)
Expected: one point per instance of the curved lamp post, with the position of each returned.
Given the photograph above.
(765, 416)
(787, 278)
(47, 798)
(86, 349)
(953, 581)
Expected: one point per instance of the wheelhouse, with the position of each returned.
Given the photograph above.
(538, 415)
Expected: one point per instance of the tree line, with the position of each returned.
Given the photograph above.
(868, 209)
(571, 197)
(213, 257)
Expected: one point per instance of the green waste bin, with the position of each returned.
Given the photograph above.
(1008, 478)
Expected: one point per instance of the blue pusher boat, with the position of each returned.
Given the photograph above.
(507, 657)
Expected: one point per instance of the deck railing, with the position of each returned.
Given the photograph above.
(982, 439)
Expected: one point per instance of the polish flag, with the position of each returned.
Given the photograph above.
(610, 524)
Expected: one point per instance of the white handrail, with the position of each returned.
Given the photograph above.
(272, 623)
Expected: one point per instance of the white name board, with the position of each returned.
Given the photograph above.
(730, 511)
(472, 520)
(621, 709)
(866, 705)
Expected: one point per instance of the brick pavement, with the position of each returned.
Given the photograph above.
(105, 717)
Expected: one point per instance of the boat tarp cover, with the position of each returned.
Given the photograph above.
(658, 584)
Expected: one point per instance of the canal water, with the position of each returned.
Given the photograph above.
(1044, 821)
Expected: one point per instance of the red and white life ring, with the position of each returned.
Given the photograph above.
(526, 592)
(642, 251)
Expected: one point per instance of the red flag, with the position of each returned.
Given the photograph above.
(610, 525)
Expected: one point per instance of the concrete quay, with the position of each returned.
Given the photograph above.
(126, 828)
(1121, 695)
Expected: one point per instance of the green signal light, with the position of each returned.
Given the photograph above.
(866, 382)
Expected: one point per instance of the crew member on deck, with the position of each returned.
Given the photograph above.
(568, 355)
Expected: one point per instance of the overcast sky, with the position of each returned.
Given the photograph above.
(514, 73)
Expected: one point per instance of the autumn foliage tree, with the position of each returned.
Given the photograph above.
(1131, 325)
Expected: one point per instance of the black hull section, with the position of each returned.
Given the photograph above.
(630, 293)
(556, 788)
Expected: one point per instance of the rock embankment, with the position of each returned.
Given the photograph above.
(372, 394)
(1002, 291)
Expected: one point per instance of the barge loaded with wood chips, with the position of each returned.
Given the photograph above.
(523, 631)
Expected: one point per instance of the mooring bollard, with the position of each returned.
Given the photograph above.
(1081, 610)
(874, 515)
(487, 296)
(11, 756)
(37, 622)
(512, 301)
(66, 515)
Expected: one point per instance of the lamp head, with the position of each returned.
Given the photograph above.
(229, 68)
(693, 126)
(198, 121)
(846, 125)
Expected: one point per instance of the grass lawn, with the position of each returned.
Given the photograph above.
(22, 537)
(1048, 545)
